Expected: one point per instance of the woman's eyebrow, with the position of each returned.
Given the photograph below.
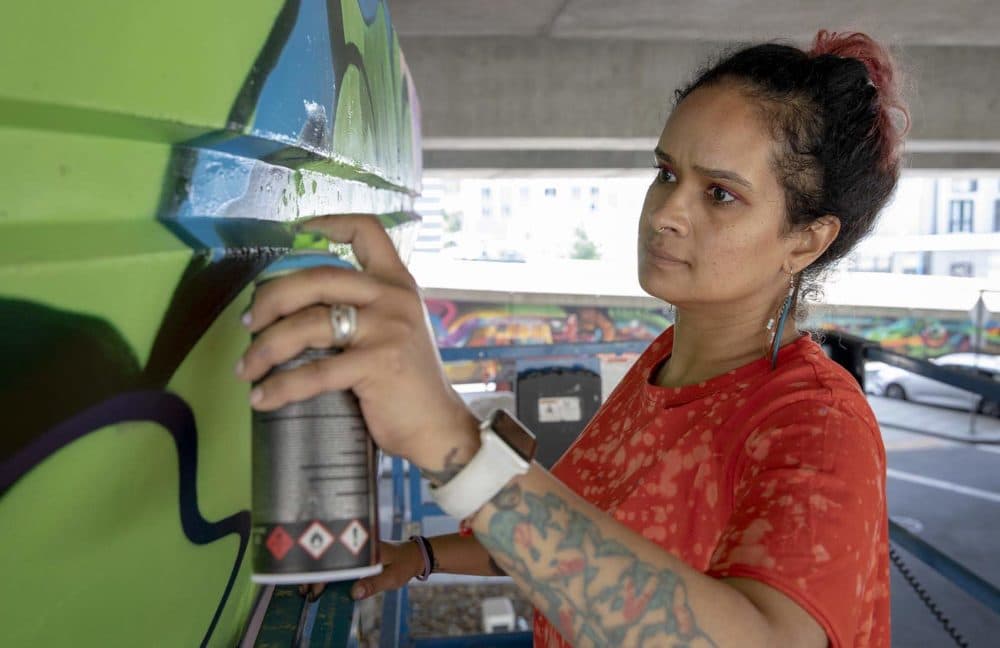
(720, 174)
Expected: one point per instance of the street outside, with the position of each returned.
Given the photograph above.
(948, 493)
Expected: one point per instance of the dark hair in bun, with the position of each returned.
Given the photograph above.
(838, 117)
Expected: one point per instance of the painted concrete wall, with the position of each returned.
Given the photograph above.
(154, 158)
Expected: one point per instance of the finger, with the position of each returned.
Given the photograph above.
(311, 590)
(369, 240)
(315, 590)
(393, 577)
(310, 328)
(320, 285)
(340, 372)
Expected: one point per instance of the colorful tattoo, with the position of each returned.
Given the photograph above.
(594, 589)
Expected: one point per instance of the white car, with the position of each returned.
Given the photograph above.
(887, 380)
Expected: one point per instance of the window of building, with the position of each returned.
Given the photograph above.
(909, 262)
(964, 185)
(871, 263)
(486, 193)
(550, 192)
(487, 211)
(960, 216)
(996, 216)
(961, 269)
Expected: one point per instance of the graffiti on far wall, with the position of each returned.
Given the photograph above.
(458, 323)
(917, 336)
(477, 324)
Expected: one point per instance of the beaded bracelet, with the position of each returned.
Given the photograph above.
(425, 552)
(430, 555)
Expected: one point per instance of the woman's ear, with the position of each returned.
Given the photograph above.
(812, 241)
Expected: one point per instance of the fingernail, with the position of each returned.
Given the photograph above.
(246, 319)
(256, 396)
(239, 367)
(358, 592)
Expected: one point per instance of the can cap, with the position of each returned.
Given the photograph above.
(294, 261)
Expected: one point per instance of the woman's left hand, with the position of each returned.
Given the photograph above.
(391, 361)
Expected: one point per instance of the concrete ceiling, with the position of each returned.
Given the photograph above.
(901, 22)
(586, 84)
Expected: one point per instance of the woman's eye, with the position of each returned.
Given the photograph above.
(664, 175)
(720, 195)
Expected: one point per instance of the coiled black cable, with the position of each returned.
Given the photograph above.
(926, 599)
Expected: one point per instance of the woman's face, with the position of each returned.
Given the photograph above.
(712, 224)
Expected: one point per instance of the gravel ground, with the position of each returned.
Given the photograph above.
(443, 610)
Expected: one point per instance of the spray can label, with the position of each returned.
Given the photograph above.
(314, 500)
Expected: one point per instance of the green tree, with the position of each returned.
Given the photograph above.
(453, 221)
(583, 247)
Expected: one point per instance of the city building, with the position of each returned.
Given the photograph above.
(938, 226)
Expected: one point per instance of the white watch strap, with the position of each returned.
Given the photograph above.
(484, 476)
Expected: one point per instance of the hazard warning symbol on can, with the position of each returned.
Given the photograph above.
(316, 540)
(354, 537)
(279, 542)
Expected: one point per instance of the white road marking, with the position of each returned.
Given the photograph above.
(989, 448)
(944, 485)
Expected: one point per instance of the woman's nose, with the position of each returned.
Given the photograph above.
(671, 215)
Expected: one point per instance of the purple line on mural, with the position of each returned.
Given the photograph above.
(174, 415)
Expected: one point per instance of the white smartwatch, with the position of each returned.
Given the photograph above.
(506, 451)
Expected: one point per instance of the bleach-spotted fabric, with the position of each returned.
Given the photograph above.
(775, 475)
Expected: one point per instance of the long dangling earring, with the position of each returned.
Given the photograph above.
(774, 344)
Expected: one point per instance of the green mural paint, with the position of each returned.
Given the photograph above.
(300, 186)
(153, 163)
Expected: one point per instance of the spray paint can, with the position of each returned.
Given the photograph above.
(314, 500)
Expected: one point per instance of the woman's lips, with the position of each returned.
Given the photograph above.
(662, 257)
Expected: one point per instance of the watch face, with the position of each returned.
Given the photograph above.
(515, 435)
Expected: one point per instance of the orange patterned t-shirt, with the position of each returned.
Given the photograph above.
(776, 475)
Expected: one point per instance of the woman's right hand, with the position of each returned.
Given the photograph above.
(401, 561)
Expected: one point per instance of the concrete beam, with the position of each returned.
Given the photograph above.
(490, 160)
(913, 22)
(501, 89)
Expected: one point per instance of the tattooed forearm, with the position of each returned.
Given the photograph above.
(596, 590)
(496, 569)
(508, 497)
(451, 468)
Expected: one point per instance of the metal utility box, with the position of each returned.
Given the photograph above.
(556, 403)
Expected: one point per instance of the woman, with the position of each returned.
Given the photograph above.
(731, 491)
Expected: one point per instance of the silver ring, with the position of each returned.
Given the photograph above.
(344, 320)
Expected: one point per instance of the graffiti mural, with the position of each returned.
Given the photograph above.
(156, 157)
(481, 324)
(459, 323)
(471, 324)
(918, 337)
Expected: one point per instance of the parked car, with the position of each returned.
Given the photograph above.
(887, 380)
